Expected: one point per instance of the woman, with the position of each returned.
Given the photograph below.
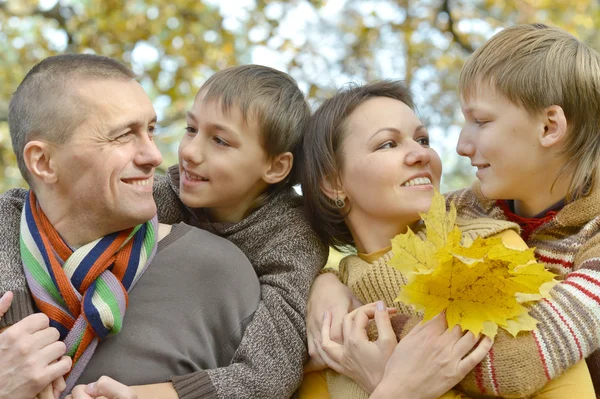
(368, 171)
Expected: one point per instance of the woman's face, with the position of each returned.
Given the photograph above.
(389, 171)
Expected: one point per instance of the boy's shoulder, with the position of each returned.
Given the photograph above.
(470, 203)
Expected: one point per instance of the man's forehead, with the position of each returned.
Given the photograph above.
(116, 102)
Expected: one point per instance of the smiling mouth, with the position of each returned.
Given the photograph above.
(481, 167)
(418, 181)
(193, 177)
(138, 182)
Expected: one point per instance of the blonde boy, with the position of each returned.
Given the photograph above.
(531, 100)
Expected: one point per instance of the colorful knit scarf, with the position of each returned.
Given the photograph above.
(83, 291)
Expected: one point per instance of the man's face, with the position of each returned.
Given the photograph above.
(105, 171)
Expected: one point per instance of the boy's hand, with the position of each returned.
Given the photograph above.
(105, 387)
(327, 294)
(28, 353)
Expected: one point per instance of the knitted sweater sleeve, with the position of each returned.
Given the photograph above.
(268, 363)
(11, 268)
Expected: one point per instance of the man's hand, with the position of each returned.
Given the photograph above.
(327, 294)
(28, 353)
(105, 387)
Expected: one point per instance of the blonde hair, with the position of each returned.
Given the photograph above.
(536, 66)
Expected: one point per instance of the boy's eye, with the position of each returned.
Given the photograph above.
(220, 141)
(191, 130)
(424, 141)
(479, 122)
(387, 145)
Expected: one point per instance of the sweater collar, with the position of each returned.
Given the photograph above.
(573, 214)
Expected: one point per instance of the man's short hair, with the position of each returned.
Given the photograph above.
(269, 97)
(46, 104)
(536, 66)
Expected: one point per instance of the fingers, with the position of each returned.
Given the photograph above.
(330, 356)
(52, 352)
(58, 386)
(326, 328)
(79, 393)
(60, 368)
(110, 389)
(464, 344)
(436, 326)
(474, 358)
(46, 393)
(384, 327)
(32, 324)
(5, 302)
(45, 337)
(337, 332)
(315, 362)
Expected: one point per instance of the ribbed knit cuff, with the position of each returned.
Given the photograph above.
(330, 270)
(194, 386)
(21, 307)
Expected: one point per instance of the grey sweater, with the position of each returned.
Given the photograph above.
(286, 255)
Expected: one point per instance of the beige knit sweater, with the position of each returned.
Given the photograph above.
(371, 282)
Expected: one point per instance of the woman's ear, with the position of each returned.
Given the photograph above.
(278, 168)
(555, 126)
(39, 161)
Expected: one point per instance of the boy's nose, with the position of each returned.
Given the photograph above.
(192, 151)
(465, 146)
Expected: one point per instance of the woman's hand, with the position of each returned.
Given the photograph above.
(327, 294)
(105, 387)
(358, 358)
(54, 390)
(430, 360)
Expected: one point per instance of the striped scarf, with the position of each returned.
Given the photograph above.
(83, 291)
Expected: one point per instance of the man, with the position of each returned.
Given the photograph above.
(82, 129)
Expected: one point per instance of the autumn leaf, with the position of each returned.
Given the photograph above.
(481, 286)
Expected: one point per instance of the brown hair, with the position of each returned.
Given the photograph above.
(536, 66)
(46, 105)
(268, 96)
(322, 154)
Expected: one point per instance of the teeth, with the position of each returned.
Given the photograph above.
(194, 178)
(140, 182)
(419, 181)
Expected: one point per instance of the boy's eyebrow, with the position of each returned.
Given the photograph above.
(190, 115)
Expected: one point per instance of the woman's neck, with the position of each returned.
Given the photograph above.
(371, 235)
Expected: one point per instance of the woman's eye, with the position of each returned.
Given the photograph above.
(191, 130)
(387, 145)
(479, 122)
(424, 141)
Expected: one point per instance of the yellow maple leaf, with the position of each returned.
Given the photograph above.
(481, 286)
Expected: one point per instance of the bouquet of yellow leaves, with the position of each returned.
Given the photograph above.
(481, 284)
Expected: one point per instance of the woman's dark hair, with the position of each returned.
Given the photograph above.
(321, 156)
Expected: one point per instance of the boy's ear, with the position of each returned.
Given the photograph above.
(39, 161)
(332, 188)
(278, 168)
(555, 126)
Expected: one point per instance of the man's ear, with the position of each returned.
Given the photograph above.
(555, 126)
(278, 168)
(332, 187)
(39, 161)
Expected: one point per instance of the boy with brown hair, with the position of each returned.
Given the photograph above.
(538, 89)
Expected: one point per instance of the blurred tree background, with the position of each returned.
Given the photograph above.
(174, 45)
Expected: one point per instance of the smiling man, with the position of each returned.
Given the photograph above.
(82, 130)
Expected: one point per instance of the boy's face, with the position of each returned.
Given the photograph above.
(221, 161)
(501, 140)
